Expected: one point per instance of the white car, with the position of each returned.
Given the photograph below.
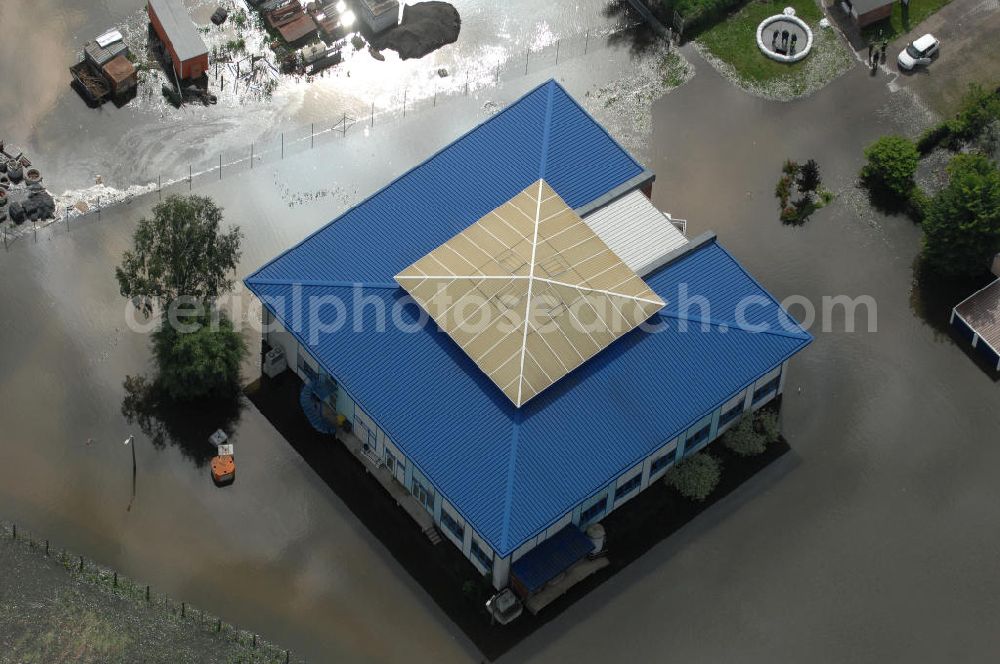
(918, 52)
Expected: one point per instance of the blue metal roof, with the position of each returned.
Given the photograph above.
(513, 472)
(550, 558)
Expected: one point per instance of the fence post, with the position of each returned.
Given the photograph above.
(98, 208)
(159, 186)
(557, 50)
(251, 155)
(46, 548)
(586, 42)
(14, 533)
(190, 174)
(527, 52)
(81, 563)
(373, 113)
(183, 609)
(147, 594)
(282, 145)
(312, 135)
(404, 102)
(220, 165)
(115, 583)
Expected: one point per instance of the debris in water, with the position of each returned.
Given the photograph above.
(426, 27)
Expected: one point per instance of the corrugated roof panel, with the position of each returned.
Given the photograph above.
(513, 472)
(981, 311)
(466, 180)
(551, 558)
(179, 28)
(636, 231)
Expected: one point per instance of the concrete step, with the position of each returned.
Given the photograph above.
(433, 535)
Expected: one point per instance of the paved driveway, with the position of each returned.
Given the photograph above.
(969, 31)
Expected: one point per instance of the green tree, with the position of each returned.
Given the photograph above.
(695, 477)
(180, 251)
(962, 226)
(891, 163)
(203, 363)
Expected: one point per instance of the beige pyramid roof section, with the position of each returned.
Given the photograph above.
(529, 292)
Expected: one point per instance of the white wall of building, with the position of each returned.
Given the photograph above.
(367, 430)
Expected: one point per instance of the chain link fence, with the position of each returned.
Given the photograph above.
(289, 142)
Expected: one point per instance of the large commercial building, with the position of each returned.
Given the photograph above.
(520, 338)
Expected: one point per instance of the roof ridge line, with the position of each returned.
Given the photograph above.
(385, 188)
(545, 131)
(386, 285)
(509, 492)
(803, 335)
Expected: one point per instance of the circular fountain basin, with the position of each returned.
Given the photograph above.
(779, 49)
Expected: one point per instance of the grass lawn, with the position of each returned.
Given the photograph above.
(733, 42)
(902, 20)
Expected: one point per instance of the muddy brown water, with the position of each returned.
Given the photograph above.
(874, 539)
(147, 138)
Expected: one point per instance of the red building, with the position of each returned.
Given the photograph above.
(185, 47)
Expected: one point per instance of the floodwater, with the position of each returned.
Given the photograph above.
(875, 540)
(147, 139)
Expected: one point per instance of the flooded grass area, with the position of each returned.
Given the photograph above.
(57, 607)
(731, 46)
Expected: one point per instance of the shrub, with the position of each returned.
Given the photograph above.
(743, 439)
(809, 179)
(695, 477)
(918, 205)
(962, 226)
(770, 428)
(980, 107)
(783, 189)
(932, 138)
(200, 363)
(789, 214)
(790, 167)
(891, 163)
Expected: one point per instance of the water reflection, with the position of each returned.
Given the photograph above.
(640, 37)
(932, 299)
(186, 426)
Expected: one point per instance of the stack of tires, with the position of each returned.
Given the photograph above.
(3, 204)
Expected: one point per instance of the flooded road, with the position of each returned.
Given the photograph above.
(148, 139)
(874, 540)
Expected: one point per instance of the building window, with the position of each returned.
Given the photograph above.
(766, 389)
(662, 462)
(449, 522)
(628, 487)
(390, 461)
(481, 556)
(423, 495)
(731, 414)
(699, 438)
(593, 512)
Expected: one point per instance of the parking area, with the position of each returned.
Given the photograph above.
(969, 53)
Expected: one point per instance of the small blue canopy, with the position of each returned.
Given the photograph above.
(550, 558)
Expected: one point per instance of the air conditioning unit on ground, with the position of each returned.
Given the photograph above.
(274, 362)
